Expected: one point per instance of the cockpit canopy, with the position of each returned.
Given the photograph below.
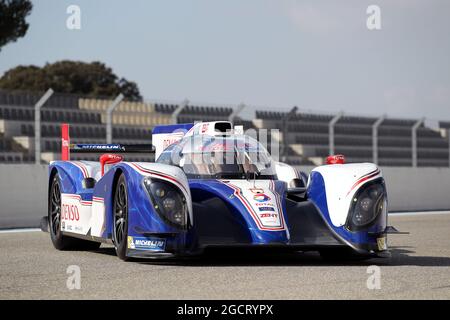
(227, 156)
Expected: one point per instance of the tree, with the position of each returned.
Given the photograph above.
(12, 20)
(93, 79)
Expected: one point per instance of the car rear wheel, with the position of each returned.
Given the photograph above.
(60, 241)
(120, 209)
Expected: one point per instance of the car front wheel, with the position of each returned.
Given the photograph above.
(120, 208)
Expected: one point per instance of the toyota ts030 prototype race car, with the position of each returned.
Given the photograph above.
(212, 186)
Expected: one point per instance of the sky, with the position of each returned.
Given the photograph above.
(270, 54)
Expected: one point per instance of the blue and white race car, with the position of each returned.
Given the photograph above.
(212, 186)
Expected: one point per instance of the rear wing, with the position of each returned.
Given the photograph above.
(164, 135)
(114, 147)
(67, 147)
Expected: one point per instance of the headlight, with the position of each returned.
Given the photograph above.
(168, 201)
(367, 204)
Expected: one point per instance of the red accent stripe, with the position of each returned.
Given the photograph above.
(82, 172)
(77, 197)
(82, 167)
(364, 178)
(160, 174)
(79, 167)
(69, 195)
(237, 192)
(97, 199)
(278, 198)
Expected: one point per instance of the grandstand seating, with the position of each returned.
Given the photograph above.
(308, 137)
(309, 133)
(132, 123)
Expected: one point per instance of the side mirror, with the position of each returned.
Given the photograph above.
(109, 158)
(296, 193)
(335, 159)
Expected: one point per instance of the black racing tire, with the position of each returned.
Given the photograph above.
(120, 218)
(342, 255)
(60, 241)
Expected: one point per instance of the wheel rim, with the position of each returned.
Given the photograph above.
(55, 208)
(120, 213)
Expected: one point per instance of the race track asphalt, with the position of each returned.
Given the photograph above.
(30, 268)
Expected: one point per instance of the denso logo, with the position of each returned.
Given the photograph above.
(70, 212)
(261, 197)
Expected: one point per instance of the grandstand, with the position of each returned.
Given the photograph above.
(307, 138)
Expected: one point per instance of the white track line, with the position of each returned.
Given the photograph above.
(20, 230)
(417, 213)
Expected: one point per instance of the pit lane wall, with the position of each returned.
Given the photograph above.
(23, 191)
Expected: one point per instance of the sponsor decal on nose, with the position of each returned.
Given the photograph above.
(261, 197)
(266, 208)
(256, 190)
(144, 243)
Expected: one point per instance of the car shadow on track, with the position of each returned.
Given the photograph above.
(401, 256)
(404, 256)
(235, 257)
(248, 258)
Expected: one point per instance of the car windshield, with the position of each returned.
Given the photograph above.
(220, 157)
